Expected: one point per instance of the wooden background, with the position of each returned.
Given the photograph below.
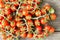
(56, 24)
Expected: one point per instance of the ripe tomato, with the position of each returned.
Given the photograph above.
(23, 35)
(39, 29)
(1, 4)
(47, 6)
(43, 11)
(16, 5)
(47, 27)
(38, 13)
(8, 12)
(9, 17)
(37, 1)
(13, 24)
(17, 18)
(47, 17)
(1, 17)
(25, 12)
(30, 23)
(37, 23)
(29, 35)
(19, 24)
(52, 30)
(24, 4)
(28, 17)
(5, 23)
(43, 21)
(7, 6)
(13, 8)
(28, 7)
(53, 16)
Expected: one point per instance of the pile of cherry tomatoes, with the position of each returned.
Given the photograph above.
(25, 18)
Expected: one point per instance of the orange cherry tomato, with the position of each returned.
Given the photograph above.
(29, 35)
(43, 21)
(53, 16)
(47, 6)
(52, 30)
(23, 35)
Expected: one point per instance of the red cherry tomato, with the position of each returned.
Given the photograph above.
(37, 23)
(5, 23)
(43, 21)
(47, 6)
(47, 27)
(39, 28)
(23, 35)
(30, 23)
(43, 11)
(25, 12)
(19, 24)
(1, 4)
(38, 13)
(52, 30)
(9, 17)
(1, 17)
(13, 8)
(13, 24)
(53, 16)
(28, 17)
(8, 12)
(29, 35)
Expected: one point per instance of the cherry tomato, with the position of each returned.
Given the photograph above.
(37, 23)
(17, 18)
(53, 16)
(1, 17)
(39, 28)
(47, 27)
(7, 6)
(9, 17)
(19, 24)
(5, 23)
(1, 4)
(16, 5)
(25, 12)
(28, 17)
(47, 17)
(28, 7)
(43, 11)
(52, 30)
(8, 12)
(30, 23)
(23, 35)
(24, 4)
(13, 8)
(47, 6)
(29, 35)
(38, 13)
(13, 24)
(37, 1)
(43, 21)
